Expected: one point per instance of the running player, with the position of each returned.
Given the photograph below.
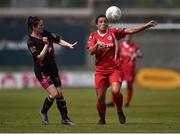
(129, 52)
(102, 43)
(40, 44)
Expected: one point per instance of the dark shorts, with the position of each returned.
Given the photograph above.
(48, 77)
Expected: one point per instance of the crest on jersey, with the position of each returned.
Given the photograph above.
(109, 37)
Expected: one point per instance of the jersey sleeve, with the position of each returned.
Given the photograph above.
(56, 38)
(118, 32)
(91, 41)
(53, 37)
(32, 48)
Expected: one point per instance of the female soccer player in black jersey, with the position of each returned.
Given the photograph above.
(40, 44)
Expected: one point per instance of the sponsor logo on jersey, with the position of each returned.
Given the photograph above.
(109, 45)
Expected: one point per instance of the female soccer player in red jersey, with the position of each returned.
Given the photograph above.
(40, 44)
(103, 44)
(129, 52)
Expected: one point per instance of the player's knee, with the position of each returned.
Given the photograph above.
(55, 94)
(101, 98)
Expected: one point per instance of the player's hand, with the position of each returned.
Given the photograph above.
(45, 40)
(72, 45)
(100, 43)
(151, 23)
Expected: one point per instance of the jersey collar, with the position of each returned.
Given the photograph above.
(102, 34)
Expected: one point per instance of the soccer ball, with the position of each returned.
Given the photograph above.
(113, 14)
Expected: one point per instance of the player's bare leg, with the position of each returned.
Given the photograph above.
(111, 103)
(129, 94)
(118, 99)
(101, 106)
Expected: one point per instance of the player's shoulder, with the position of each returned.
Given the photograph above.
(112, 29)
(30, 40)
(46, 33)
(135, 45)
(118, 32)
(122, 43)
(50, 34)
(93, 35)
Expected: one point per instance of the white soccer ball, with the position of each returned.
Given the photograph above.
(113, 14)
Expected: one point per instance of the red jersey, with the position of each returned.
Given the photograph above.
(107, 56)
(128, 54)
(128, 60)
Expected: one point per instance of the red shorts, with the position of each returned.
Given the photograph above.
(104, 80)
(128, 74)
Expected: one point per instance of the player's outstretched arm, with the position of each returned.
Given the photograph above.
(67, 44)
(140, 28)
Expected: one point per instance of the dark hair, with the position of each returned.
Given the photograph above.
(32, 21)
(100, 16)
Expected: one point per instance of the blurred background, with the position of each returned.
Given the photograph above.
(73, 20)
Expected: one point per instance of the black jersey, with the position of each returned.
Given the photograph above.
(36, 45)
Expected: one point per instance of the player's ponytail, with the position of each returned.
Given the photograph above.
(32, 21)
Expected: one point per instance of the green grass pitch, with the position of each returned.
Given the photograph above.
(151, 111)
